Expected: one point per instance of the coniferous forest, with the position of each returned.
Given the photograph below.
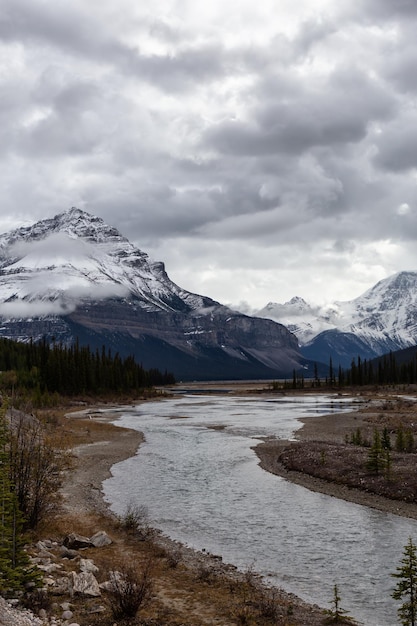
(386, 370)
(41, 368)
(398, 368)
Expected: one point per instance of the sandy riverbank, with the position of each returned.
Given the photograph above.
(82, 490)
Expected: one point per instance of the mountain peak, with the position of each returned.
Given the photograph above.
(78, 223)
(298, 301)
(402, 281)
(383, 318)
(72, 275)
(74, 222)
(74, 257)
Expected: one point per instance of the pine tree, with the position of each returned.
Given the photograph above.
(400, 440)
(377, 456)
(386, 439)
(331, 373)
(407, 585)
(337, 615)
(409, 441)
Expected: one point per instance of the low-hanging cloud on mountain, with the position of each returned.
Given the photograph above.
(54, 274)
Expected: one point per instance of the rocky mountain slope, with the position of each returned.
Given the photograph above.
(382, 319)
(73, 276)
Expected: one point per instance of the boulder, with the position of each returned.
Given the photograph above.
(85, 584)
(73, 541)
(50, 568)
(115, 579)
(100, 539)
(66, 615)
(60, 587)
(87, 565)
(66, 553)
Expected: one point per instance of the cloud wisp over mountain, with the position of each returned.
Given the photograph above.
(261, 153)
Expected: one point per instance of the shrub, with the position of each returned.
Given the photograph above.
(135, 520)
(269, 606)
(131, 589)
(36, 600)
(36, 468)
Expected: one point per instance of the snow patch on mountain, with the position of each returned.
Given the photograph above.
(56, 264)
(385, 315)
(301, 318)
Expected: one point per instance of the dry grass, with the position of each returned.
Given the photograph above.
(347, 465)
(340, 463)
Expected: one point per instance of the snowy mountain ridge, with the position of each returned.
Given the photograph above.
(51, 267)
(301, 318)
(383, 318)
(73, 277)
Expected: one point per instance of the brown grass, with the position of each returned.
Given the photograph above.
(346, 464)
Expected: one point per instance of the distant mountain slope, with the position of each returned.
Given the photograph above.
(384, 318)
(74, 276)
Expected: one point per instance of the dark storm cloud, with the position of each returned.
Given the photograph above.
(69, 128)
(285, 135)
(337, 111)
(55, 25)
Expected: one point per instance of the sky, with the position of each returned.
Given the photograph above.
(262, 150)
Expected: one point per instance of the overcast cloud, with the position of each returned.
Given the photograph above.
(262, 150)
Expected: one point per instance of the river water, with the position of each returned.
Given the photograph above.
(201, 482)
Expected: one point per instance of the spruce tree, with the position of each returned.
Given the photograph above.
(337, 615)
(377, 456)
(407, 585)
(400, 440)
(386, 439)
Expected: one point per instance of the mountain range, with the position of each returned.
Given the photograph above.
(381, 320)
(73, 278)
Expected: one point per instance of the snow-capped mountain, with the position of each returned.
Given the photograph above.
(54, 265)
(301, 318)
(73, 276)
(384, 318)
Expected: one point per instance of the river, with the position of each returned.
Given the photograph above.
(201, 482)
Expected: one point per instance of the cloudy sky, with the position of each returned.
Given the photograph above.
(261, 149)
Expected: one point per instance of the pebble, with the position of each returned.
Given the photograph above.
(67, 615)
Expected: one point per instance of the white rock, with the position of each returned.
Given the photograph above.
(87, 565)
(85, 584)
(100, 539)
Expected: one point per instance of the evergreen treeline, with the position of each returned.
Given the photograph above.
(43, 368)
(386, 370)
(383, 371)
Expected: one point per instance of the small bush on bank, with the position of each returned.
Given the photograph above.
(131, 589)
(135, 520)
